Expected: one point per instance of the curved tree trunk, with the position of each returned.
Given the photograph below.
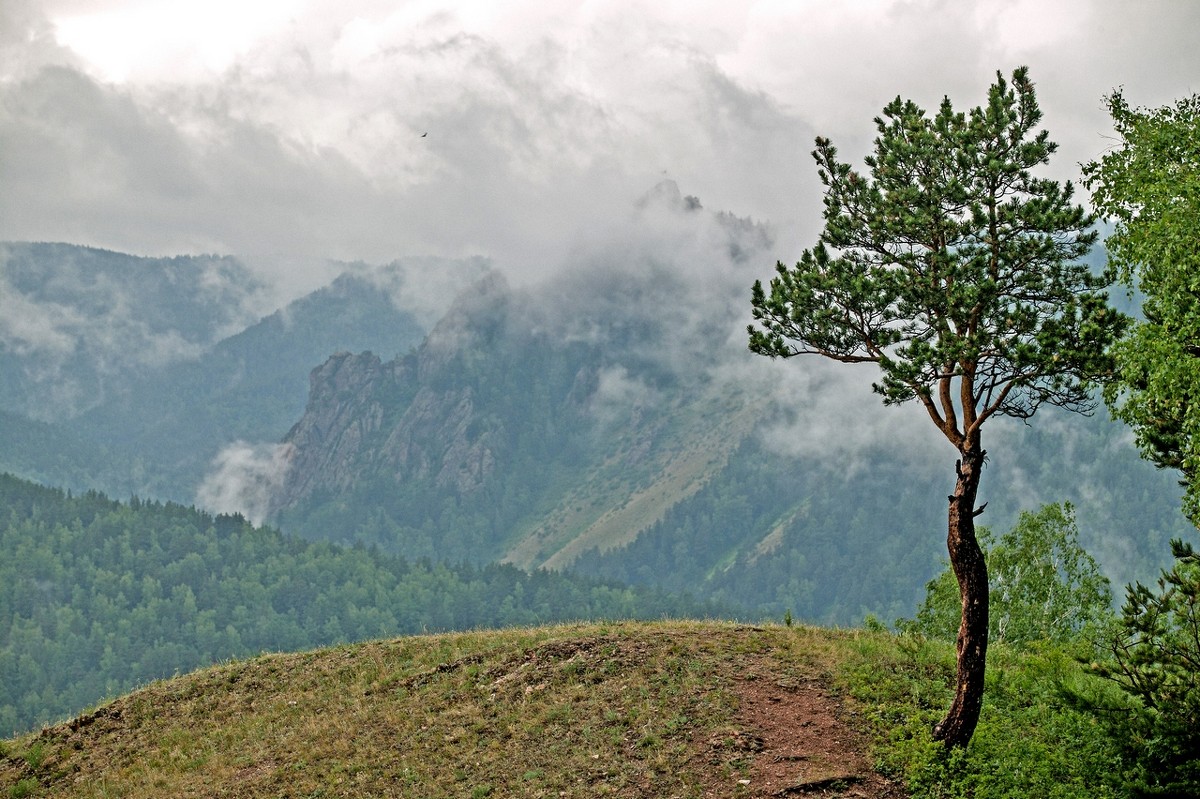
(966, 559)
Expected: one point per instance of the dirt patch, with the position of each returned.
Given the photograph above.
(793, 741)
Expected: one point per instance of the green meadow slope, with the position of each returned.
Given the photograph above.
(634, 709)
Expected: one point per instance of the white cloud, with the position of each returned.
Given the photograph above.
(620, 397)
(423, 286)
(181, 38)
(294, 136)
(28, 327)
(243, 478)
(292, 133)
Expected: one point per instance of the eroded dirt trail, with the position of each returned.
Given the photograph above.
(797, 743)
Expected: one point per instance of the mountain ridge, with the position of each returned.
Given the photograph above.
(608, 418)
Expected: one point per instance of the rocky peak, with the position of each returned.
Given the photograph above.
(342, 377)
(343, 414)
(419, 417)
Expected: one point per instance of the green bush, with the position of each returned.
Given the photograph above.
(1038, 734)
(1043, 585)
(1033, 739)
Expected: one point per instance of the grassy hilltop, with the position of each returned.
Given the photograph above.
(623, 710)
(663, 709)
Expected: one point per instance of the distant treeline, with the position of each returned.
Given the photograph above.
(98, 596)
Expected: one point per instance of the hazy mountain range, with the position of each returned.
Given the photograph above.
(607, 419)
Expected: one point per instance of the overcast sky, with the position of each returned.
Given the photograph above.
(286, 131)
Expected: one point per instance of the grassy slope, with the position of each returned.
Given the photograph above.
(629, 709)
(623, 710)
(614, 503)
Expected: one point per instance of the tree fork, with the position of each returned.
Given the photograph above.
(970, 569)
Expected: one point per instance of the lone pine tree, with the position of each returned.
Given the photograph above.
(955, 269)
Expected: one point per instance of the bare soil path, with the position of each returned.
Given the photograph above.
(799, 743)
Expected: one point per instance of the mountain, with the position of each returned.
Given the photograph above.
(79, 324)
(247, 387)
(499, 438)
(53, 454)
(134, 375)
(602, 415)
(532, 420)
(508, 435)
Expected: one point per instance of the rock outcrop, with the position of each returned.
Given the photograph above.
(416, 418)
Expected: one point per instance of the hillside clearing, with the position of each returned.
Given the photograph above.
(683, 709)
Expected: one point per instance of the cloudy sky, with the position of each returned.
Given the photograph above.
(288, 130)
(530, 132)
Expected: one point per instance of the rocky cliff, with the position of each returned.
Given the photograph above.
(540, 442)
(410, 419)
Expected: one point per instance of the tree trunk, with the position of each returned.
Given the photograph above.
(966, 559)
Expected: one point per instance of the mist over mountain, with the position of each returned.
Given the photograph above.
(134, 375)
(605, 418)
(523, 390)
(610, 421)
(248, 387)
(77, 324)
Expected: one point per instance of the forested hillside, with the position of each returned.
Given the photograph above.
(98, 596)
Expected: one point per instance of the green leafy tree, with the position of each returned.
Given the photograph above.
(1044, 585)
(954, 269)
(1149, 185)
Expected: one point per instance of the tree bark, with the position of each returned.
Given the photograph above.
(966, 559)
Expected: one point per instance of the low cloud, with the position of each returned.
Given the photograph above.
(619, 397)
(80, 325)
(243, 478)
(663, 277)
(820, 410)
(38, 329)
(424, 286)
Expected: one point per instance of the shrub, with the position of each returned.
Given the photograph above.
(1033, 739)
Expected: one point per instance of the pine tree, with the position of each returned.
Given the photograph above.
(954, 269)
